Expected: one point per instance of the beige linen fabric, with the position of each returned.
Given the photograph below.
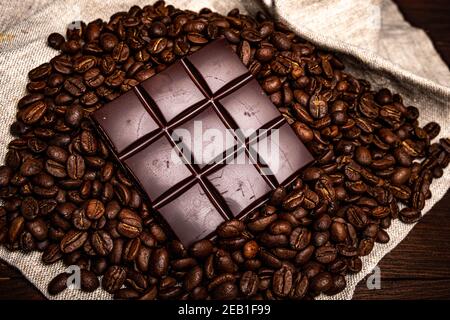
(376, 43)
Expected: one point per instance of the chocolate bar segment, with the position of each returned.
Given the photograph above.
(193, 137)
(158, 167)
(125, 121)
(173, 91)
(250, 108)
(192, 215)
(218, 66)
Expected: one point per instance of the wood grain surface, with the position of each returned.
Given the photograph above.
(419, 268)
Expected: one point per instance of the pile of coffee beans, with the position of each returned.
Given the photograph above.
(64, 194)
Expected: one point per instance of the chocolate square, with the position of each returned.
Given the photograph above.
(125, 121)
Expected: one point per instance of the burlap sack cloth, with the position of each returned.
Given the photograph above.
(376, 42)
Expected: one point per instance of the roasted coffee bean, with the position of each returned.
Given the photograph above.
(400, 176)
(88, 142)
(29, 208)
(410, 215)
(382, 236)
(193, 278)
(57, 154)
(38, 229)
(326, 254)
(74, 115)
(225, 291)
(159, 262)
(6, 174)
(40, 72)
(143, 258)
(282, 282)
(363, 156)
(94, 209)
(281, 41)
(75, 86)
(304, 255)
(321, 282)
(31, 167)
(89, 281)
(73, 240)
(260, 224)
(249, 283)
(265, 53)
(55, 40)
(432, 129)
(202, 249)
(80, 220)
(365, 246)
(58, 284)
(230, 229)
(55, 169)
(293, 200)
(102, 242)
(277, 196)
(300, 238)
(75, 166)
(271, 84)
(131, 249)
(339, 284)
(300, 287)
(113, 279)
(250, 249)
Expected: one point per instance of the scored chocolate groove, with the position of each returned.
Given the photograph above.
(213, 87)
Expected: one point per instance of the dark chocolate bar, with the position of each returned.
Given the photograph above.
(196, 184)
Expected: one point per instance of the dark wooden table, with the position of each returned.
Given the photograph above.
(419, 268)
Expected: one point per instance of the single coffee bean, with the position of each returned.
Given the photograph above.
(113, 279)
(94, 209)
(40, 72)
(193, 278)
(400, 176)
(321, 282)
(250, 249)
(75, 86)
(300, 238)
(363, 156)
(202, 249)
(89, 281)
(281, 41)
(75, 166)
(282, 282)
(230, 229)
(382, 236)
(249, 283)
(74, 115)
(58, 284)
(88, 142)
(55, 40)
(326, 254)
(271, 84)
(31, 167)
(159, 262)
(130, 224)
(6, 174)
(300, 287)
(131, 249)
(38, 228)
(225, 291)
(410, 215)
(73, 240)
(102, 242)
